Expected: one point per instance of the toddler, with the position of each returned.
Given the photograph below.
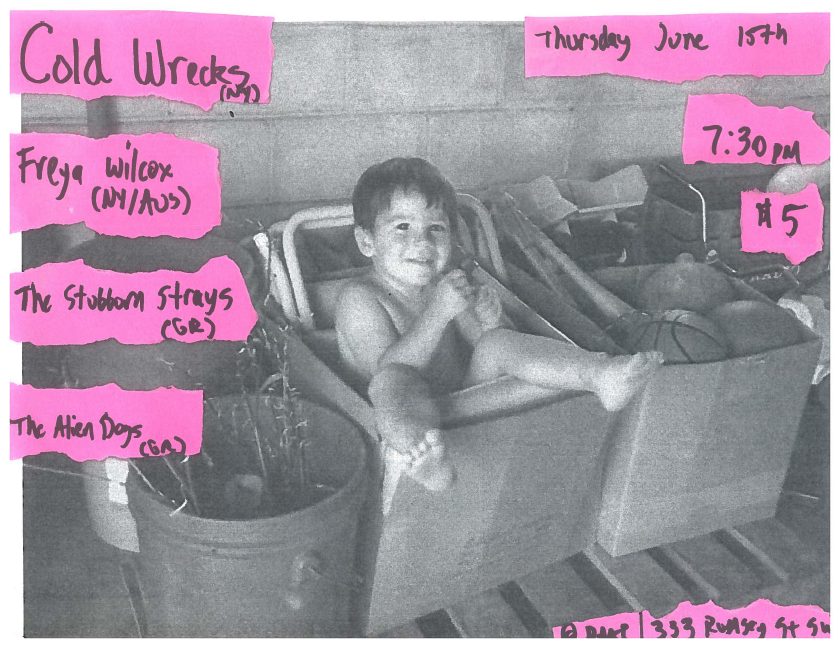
(413, 328)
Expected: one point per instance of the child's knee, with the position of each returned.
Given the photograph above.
(489, 357)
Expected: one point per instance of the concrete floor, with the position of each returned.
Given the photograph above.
(72, 584)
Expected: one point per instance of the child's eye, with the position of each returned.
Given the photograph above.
(403, 226)
(438, 228)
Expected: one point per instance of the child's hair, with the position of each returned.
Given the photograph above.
(377, 184)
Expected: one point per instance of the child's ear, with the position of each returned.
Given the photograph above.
(364, 240)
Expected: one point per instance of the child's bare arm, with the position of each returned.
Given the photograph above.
(364, 328)
(368, 331)
(417, 346)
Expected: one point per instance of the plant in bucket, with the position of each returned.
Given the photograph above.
(255, 534)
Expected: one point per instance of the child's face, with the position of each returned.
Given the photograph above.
(410, 243)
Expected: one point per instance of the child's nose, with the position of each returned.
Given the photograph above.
(424, 239)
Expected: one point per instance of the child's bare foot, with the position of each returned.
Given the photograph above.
(428, 464)
(623, 377)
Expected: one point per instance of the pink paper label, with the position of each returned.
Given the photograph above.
(141, 185)
(760, 619)
(191, 57)
(677, 48)
(72, 303)
(790, 224)
(730, 129)
(620, 625)
(92, 424)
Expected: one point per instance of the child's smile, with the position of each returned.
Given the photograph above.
(410, 244)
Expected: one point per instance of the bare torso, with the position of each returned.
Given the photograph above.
(447, 367)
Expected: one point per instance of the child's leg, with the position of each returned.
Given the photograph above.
(405, 414)
(404, 406)
(557, 365)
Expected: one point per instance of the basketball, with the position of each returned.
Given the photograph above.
(755, 326)
(683, 337)
(685, 285)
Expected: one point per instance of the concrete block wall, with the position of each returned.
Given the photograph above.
(346, 95)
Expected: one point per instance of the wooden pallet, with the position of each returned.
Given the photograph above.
(784, 559)
(732, 567)
(80, 587)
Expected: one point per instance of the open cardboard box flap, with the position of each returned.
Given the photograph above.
(626, 188)
(549, 202)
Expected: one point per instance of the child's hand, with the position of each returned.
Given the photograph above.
(451, 296)
(488, 308)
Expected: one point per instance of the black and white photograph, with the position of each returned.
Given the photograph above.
(512, 367)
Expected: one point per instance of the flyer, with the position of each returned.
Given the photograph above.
(436, 322)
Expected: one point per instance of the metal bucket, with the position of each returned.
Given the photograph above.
(203, 365)
(288, 576)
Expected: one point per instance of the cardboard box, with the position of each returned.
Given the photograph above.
(625, 188)
(675, 230)
(528, 465)
(706, 446)
(548, 203)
